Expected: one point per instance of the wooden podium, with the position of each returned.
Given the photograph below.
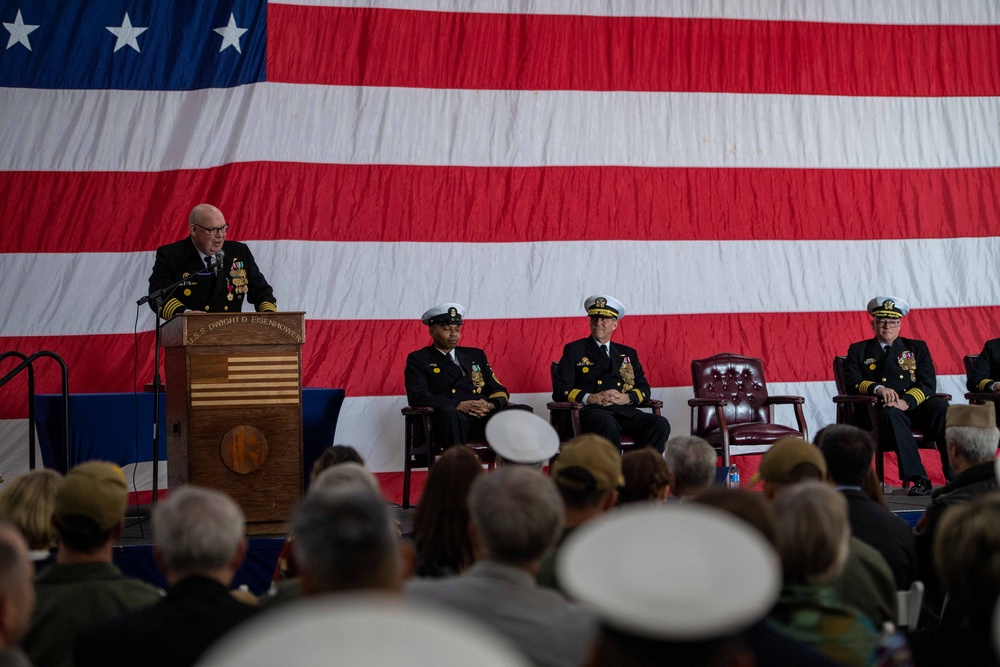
(234, 409)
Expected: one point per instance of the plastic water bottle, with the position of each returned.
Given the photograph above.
(734, 477)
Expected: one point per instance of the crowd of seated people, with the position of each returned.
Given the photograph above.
(588, 563)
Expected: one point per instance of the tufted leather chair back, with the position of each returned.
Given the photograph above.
(847, 412)
(970, 364)
(739, 380)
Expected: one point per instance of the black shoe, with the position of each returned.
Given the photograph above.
(921, 487)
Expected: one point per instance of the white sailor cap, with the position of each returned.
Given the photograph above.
(681, 573)
(445, 313)
(366, 630)
(604, 305)
(521, 437)
(891, 307)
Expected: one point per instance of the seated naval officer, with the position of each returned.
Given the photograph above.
(457, 381)
(608, 378)
(901, 373)
(220, 273)
(985, 374)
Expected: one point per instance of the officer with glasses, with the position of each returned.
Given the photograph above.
(220, 273)
(900, 372)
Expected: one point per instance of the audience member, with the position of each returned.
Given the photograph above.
(83, 587)
(848, 452)
(332, 456)
(199, 547)
(286, 569)
(812, 537)
(362, 630)
(771, 647)
(646, 477)
(28, 501)
(521, 438)
(667, 587)
(587, 474)
(346, 474)
(441, 520)
(971, 440)
(516, 515)
(17, 595)
(345, 540)
(690, 465)
(967, 559)
(866, 581)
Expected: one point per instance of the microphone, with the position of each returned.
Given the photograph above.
(219, 256)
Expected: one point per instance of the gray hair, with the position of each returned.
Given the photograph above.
(345, 474)
(692, 463)
(346, 540)
(197, 529)
(517, 512)
(812, 531)
(978, 445)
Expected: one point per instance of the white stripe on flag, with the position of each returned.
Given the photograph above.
(374, 281)
(348, 125)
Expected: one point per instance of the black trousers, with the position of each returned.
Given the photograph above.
(895, 429)
(647, 429)
(451, 427)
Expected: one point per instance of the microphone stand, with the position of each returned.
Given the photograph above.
(158, 297)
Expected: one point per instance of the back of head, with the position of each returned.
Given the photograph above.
(332, 456)
(517, 513)
(691, 461)
(812, 532)
(972, 430)
(750, 507)
(90, 505)
(848, 452)
(645, 474)
(28, 501)
(441, 521)
(967, 554)
(345, 540)
(198, 531)
(345, 474)
(589, 468)
(789, 461)
(17, 592)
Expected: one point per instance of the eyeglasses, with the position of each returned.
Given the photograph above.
(213, 231)
(887, 323)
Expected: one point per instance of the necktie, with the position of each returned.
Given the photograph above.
(454, 360)
(208, 262)
(604, 349)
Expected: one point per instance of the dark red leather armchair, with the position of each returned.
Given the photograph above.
(731, 408)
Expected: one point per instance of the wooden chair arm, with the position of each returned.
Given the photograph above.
(785, 400)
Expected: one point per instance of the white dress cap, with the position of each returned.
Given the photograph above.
(602, 304)
(678, 573)
(522, 437)
(361, 630)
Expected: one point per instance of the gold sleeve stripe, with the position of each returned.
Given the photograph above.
(170, 307)
(573, 394)
(986, 384)
(865, 386)
(267, 307)
(639, 395)
(917, 394)
(500, 394)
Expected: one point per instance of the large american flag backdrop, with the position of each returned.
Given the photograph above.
(743, 174)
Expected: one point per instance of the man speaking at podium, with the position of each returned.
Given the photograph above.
(220, 273)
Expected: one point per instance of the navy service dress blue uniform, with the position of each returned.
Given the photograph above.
(239, 279)
(905, 367)
(433, 380)
(985, 371)
(585, 369)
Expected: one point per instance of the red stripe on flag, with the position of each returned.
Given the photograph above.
(370, 354)
(389, 47)
(378, 203)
